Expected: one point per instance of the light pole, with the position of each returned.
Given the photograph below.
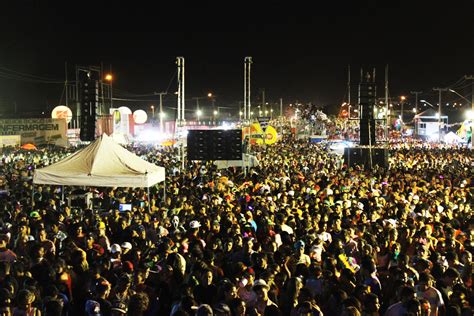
(212, 97)
(402, 102)
(439, 110)
(109, 78)
(455, 92)
(152, 107)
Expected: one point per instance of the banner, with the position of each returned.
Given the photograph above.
(270, 135)
(35, 131)
(258, 136)
(10, 140)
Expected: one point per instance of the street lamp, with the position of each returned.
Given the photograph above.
(152, 107)
(198, 114)
(109, 78)
(455, 92)
(402, 99)
(424, 101)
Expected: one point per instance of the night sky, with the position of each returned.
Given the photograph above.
(300, 50)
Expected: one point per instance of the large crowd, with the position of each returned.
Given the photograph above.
(300, 234)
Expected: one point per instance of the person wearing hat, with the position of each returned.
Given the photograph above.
(121, 291)
(92, 308)
(195, 242)
(102, 238)
(119, 308)
(262, 302)
(126, 251)
(101, 295)
(116, 256)
(425, 290)
(299, 256)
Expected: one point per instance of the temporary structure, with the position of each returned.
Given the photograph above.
(29, 147)
(247, 161)
(104, 163)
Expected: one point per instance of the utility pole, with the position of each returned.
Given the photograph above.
(349, 91)
(281, 108)
(247, 106)
(65, 83)
(471, 77)
(111, 88)
(416, 93)
(439, 111)
(247, 110)
(181, 106)
(281, 117)
(161, 94)
(387, 116)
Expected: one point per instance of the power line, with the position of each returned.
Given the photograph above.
(18, 73)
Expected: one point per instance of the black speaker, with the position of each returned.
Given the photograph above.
(89, 101)
(214, 144)
(361, 156)
(367, 99)
(199, 145)
(367, 132)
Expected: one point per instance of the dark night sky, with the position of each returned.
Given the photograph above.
(300, 49)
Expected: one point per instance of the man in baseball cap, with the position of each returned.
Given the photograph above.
(194, 224)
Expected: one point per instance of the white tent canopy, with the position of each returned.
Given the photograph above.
(104, 163)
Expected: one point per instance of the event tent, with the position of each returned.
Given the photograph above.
(103, 163)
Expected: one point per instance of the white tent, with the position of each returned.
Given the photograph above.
(104, 163)
(452, 138)
(247, 160)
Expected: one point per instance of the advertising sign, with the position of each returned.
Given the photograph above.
(35, 131)
(62, 112)
(10, 140)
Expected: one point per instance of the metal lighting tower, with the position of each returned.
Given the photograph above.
(181, 107)
(387, 116)
(439, 111)
(247, 106)
(416, 93)
(349, 92)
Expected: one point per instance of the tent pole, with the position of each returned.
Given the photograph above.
(62, 193)
(164, 190)
(32, 195)
(148, 198)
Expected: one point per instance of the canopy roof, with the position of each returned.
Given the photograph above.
(104, 163)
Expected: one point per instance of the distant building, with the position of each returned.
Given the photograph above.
(426, 124)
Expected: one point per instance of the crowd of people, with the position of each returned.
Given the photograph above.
(300, 234)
